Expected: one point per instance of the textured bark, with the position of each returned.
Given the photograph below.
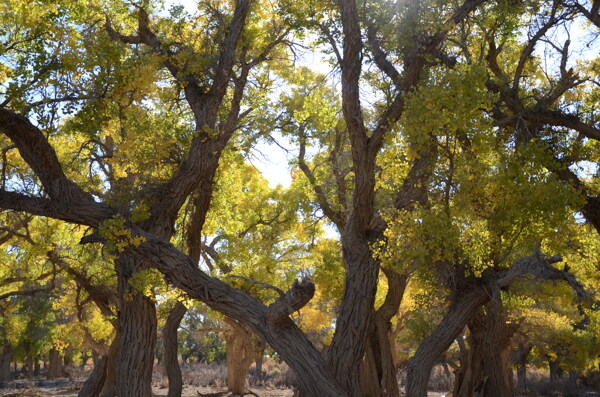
(470, 374)
(496, 350)
(170, 360)
(465, 305)
(137, 326)
(487, 369)
(109, 388)
(378, 369)
(240, 355)
(55, 368)
(94, 383)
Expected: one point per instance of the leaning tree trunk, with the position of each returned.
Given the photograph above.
(356, 314)
(170, 361)
(378, 369)
(465, 305)
(94, 383)
(487, 370)
(137, 322)
(102, 382)
(109, 389)
(240, 355)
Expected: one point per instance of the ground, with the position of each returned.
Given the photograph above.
(63, 387)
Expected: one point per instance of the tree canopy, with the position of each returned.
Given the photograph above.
(445, 184)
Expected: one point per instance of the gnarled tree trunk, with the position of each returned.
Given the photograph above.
(94, 383)
(378, 369)
(496, 351)
(487, 370)
(465, 305)
(170, 360)
(470, 374)
(137, 323)
(109, 388)
(240, 355)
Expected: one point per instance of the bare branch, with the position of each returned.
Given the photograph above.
(334, 216)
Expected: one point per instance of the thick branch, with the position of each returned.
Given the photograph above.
(540, 267)
(28, 292)
(40, 156)
(81, 212)
(293, 300)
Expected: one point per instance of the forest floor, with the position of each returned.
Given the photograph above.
(33, 389)
(64, 387)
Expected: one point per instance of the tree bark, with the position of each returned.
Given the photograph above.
(524, 347)
(170, 360)
(378, 369)
(240, 355)
(470, 373)
(5, 360)
(109, 388)
(496, 351)
(465, 305)
(556, 372)
(29, 366)
(94, 383)
(137, 324)
(55, 369)
(487, 369)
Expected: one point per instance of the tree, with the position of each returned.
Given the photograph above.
(439, 83)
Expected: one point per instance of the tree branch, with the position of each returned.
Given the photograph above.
(293, 300)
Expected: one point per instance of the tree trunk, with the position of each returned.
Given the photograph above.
(29, 366)
(55, 369)
(258, 359)
(487, 370)
(102, 377)
(137, 322)
(524, 347)
(109, 389)
(5, 360)
(470, 373)
(556, 371)
(170, 360)
(240, 354)
(94, 383)
(356, 315)
(464, 307)
(496, 350)
(571, 384)
(378, 369)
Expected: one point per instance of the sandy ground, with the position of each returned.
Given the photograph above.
(60, 387)
(31, 390)
(188, 391)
